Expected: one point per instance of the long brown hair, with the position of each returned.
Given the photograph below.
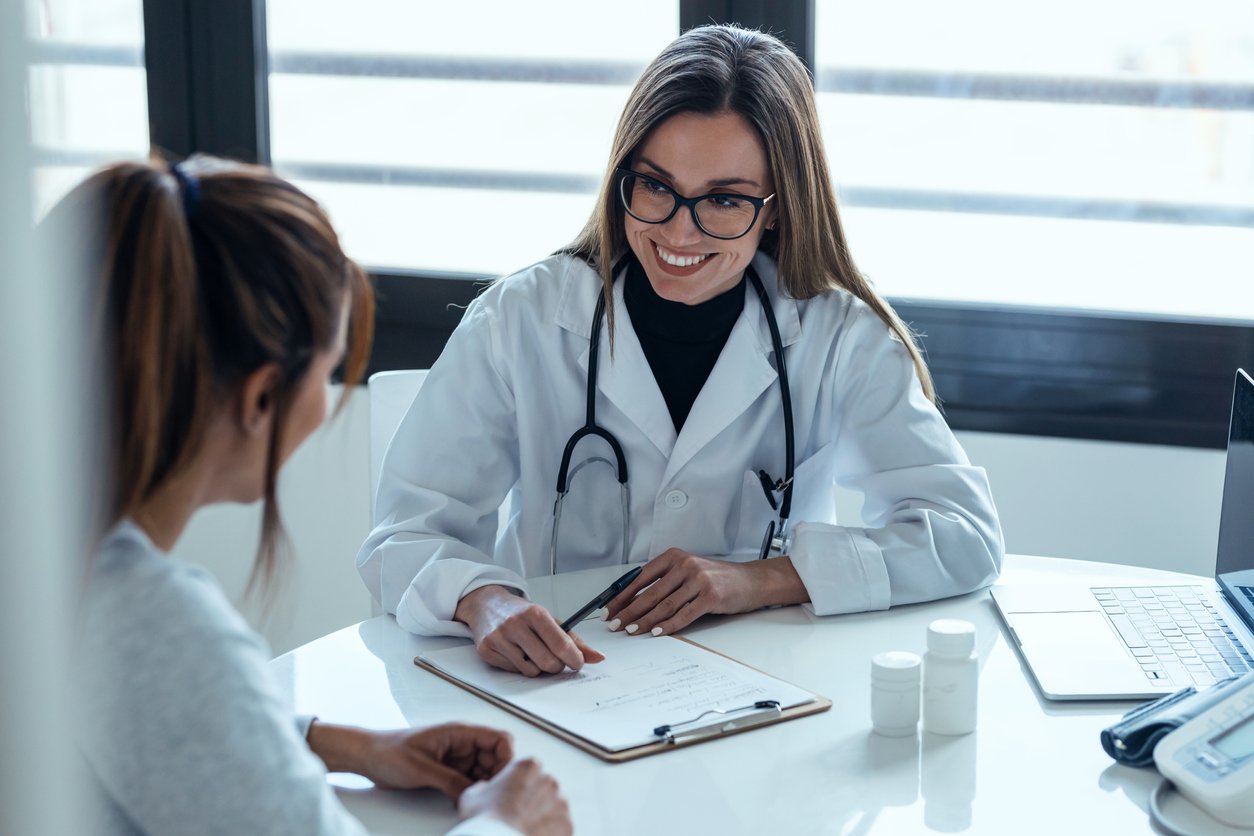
(717, 69)
(204, 273)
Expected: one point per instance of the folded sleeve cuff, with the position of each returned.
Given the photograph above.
(427, 606)
(843, 570)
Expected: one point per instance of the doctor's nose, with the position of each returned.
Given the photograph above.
(682, 228)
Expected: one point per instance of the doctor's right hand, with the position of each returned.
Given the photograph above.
(515, 634)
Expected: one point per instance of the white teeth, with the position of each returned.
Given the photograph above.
(677, 261)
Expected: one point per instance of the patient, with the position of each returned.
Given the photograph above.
(225, 303)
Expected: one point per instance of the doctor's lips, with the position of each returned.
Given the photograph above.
(678, 264)
(677, 260)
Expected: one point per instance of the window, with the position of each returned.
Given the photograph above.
(440, 143)
(1059, 199)
(88, 96)
(1084, 155)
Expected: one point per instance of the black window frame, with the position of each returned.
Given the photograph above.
(998, 368)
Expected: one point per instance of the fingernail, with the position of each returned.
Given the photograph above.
(631, 628)
(657, 631)
(615, 624)
(604, 614)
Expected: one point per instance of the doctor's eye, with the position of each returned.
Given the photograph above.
(652, 187)
(729, 202)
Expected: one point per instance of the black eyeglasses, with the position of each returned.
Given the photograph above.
(725, 215)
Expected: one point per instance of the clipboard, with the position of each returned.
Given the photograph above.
(708, 725)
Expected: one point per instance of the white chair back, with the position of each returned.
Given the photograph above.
(391, 394)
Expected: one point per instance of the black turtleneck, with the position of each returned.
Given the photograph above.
(681, 342)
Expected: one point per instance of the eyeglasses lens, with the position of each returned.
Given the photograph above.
(723, 216)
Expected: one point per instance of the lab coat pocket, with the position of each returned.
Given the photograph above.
(813, 500)
(814, 487)
(755, 514)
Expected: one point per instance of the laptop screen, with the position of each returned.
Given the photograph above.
(1234, 566)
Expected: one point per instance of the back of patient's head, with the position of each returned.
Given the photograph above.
(200, 277)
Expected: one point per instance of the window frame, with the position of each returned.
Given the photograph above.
(1022, 370)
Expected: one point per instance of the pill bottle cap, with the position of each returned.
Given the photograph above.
(951, 637)
(895, 666)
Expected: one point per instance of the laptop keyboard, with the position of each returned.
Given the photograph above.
(1175, 633)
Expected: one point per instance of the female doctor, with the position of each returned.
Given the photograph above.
(693, 374)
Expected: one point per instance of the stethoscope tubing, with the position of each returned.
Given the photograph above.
(590, 426)
(785, 396)
(776, 530)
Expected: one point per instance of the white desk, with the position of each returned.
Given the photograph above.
(1031, 767)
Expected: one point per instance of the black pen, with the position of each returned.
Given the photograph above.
(602, 599)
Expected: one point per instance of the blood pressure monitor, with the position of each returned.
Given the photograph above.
(1210, 758)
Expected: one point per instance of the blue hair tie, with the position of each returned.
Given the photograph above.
(189, 188)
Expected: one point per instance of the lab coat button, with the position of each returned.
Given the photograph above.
(676, 500)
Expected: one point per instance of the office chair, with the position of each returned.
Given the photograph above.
(391, 394)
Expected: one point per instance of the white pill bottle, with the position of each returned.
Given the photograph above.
(895, 677)
(951, 674)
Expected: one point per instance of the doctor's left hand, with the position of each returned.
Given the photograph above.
(682, 587)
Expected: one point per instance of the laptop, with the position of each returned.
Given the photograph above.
(1097, 643)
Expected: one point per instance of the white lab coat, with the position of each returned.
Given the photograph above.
(498, 406)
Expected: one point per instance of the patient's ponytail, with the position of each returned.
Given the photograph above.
(207, 271)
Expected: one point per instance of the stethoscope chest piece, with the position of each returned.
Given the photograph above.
(775, 541)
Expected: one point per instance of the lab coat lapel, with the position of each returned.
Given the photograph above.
(743, 371)
(626, 380)
(740, 376)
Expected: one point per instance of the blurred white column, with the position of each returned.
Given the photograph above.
(44, 409)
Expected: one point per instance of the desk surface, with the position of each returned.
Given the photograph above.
(1032, 766)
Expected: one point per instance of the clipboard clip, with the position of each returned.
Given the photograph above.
(763, 711)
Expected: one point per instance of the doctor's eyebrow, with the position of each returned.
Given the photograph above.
(712, 184)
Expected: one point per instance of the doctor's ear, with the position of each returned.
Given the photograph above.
(256, 399)
(770, 217)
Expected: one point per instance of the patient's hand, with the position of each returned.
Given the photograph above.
(448, 757)
(525, 797)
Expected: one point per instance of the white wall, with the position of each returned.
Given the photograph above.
(1138, 504)
(1123, 503)
(43, 466)
(324, 497)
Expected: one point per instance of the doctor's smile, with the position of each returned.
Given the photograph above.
(680, 265)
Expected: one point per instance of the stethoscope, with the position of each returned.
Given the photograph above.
(776, 540)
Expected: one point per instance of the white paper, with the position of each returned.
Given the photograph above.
(643, 683)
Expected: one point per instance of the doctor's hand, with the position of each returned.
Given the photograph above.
(515, 634)
(682, 587)
(448, 757)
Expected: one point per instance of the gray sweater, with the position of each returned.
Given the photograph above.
(184, 728)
